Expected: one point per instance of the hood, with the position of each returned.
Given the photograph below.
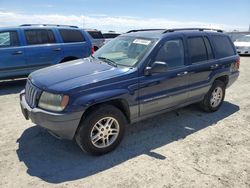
(240, 44)
(73, 74)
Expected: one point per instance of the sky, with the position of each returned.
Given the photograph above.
(124, 15)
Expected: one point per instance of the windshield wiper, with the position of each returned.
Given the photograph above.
(109, 61)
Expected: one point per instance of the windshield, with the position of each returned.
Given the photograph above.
(244, 39)
(125, 51)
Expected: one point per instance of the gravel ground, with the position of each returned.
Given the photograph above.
(187, 148)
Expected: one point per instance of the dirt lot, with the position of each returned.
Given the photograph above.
(185, 149)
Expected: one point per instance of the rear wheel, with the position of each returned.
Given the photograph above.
(102, 130)
(214, 98)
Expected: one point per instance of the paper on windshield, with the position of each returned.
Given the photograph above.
(141, 41)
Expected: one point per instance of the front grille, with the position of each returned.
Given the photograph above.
(31, 94)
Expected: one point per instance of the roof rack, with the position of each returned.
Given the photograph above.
(192, 29)
(137, 30)
(25, 25)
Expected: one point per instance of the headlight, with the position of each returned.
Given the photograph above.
(53, 102)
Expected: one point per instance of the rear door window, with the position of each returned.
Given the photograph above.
(70, 35)
(96, 34)
(197, 49)
(39, 36)
(9, 38)
(223, 46)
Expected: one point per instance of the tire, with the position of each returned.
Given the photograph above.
(212, 101)
(93, 134)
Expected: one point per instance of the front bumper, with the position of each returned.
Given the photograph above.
(60, 125)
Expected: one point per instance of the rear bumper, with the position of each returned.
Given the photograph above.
(60, 125)
(232, 78)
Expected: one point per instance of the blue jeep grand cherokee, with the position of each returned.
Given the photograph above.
(30, 47)
(134, 76)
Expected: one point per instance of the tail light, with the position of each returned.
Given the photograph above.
(92, 50)
(238, 63)
(235, 66)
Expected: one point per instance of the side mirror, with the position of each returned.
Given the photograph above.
(156, 67)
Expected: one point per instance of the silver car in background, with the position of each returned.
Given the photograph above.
(96, 38)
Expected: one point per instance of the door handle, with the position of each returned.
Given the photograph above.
(17, 53)
(57, 49)
(182, 73)
(214, 66)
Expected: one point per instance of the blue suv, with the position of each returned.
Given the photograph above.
(135, 76)
(30, 47)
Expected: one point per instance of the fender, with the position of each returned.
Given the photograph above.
(87, 100)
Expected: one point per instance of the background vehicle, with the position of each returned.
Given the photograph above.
(96, 38)
(242, 45)
(133, 77)
(30, 47)
(237, 34)
(109, 36)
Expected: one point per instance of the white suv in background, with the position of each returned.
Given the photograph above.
(243, 45)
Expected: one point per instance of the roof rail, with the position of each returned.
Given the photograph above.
(137, 30)
(192, 29)
(25, 25)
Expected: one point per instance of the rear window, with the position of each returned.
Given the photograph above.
(110, 35)
(9, 38)
(39, 36)
(197, 49)
(223, 46)
(69, 35)
(96, 34)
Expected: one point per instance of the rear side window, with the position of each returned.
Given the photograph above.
(70, 35)
(197, 49)
(8, 38)
(96, 34)
(223, 46)
(39, 36)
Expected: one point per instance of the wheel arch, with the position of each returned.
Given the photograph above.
(223, 78)
(119, 103)
(69, 58)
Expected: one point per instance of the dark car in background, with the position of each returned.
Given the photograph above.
(29, 47)
(134, 76)
(96, 38)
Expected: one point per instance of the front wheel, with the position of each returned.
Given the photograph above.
(214, 98)
(102, 130)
